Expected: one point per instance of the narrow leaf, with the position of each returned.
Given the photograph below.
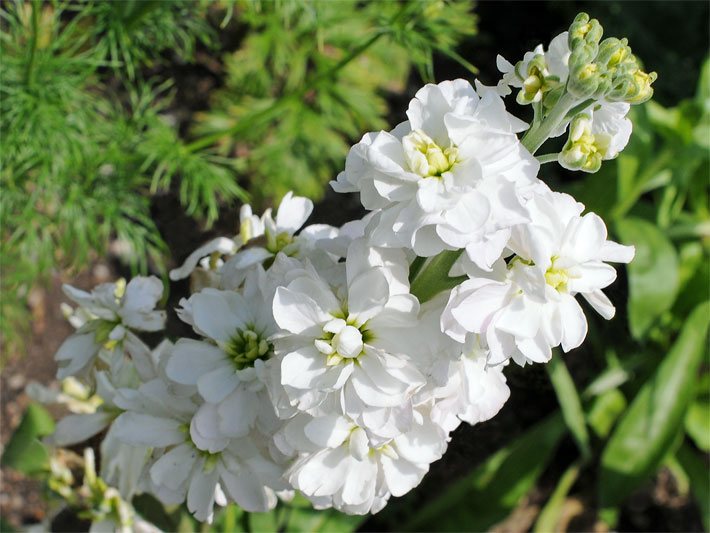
(552, 512)
(697, 471)
(655, 417)
(489, 493)
(569, 401)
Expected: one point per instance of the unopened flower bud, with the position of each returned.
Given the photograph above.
(585, 74)
(584, 32)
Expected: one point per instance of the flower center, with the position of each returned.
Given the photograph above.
(427, 158)
(557, 278)
(277, 242)
(341, 340)
(246, 346)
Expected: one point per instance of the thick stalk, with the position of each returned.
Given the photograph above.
(434, 277)
(540, 132)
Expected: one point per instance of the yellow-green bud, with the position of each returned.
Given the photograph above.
(584, 32)
(585, 74)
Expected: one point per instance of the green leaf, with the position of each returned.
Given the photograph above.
(303, 517)
(434, 278)
(569, 401)
(262, 522)
(25, 452)
(489, 493)
(654, 419)
(605, 411)
(697, 419)
(552, 512)
(697, 471)
(653, 274)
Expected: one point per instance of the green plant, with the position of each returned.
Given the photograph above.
(309, 76)
(82, 153)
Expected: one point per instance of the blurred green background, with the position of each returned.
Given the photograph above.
(135, 129)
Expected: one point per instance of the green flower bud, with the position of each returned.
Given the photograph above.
(583, 150)
(585, 74)
(584, 32)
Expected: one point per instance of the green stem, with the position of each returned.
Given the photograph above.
(547, 158)
(434, 277)
(540, 132)
(29, 71)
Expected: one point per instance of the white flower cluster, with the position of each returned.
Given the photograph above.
(330, 360)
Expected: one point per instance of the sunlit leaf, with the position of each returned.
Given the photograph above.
(653, 421)
(489, 493)
(569, 401)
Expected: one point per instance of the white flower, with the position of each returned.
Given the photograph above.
(538, 72)
(193, 461)
(203, 257)
(345, 339)
(339, 466)
(115, 309)
(447, 178)
(273, 236)
(229, 372)
(530, 307)
(461, 386)
(473, 390)
(596, 135)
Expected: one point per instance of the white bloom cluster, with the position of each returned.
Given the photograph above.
(332, 361)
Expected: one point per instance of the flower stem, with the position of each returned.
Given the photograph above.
(547, 158)
(434, 277)
(539, 132)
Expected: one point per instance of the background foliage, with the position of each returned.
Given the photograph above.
(97, 123)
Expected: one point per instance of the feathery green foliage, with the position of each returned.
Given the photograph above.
(310, 76)
(80, 155)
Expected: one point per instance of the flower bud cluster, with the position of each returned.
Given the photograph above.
(317, 363)
(579, 74)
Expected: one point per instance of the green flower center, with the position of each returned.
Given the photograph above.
(276, 243)
(557, 278)
(427, 158)
(246, 346)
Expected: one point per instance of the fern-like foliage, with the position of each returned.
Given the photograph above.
(311, 75)
(80, 160)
